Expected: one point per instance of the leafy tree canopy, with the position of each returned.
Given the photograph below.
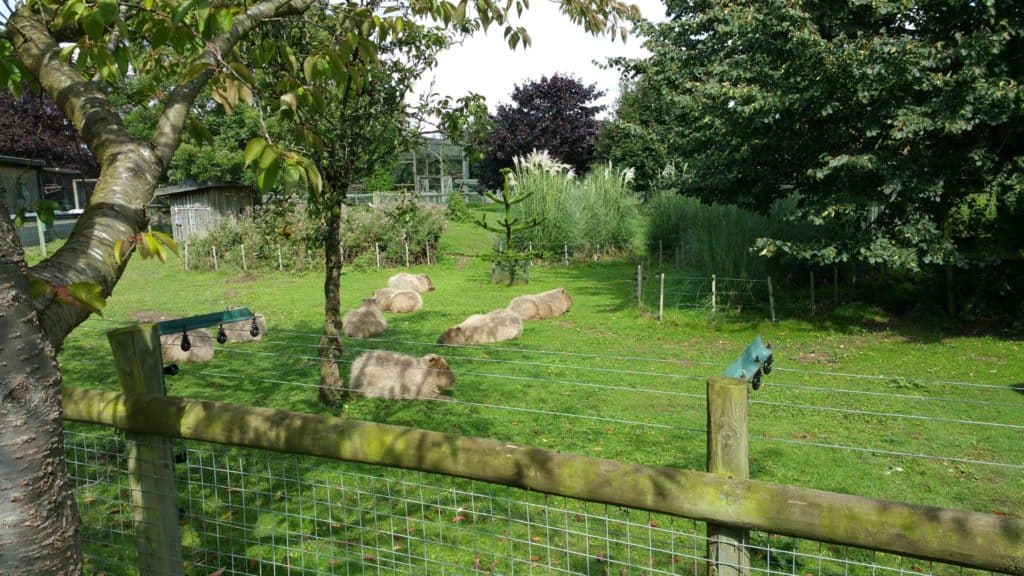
(897, 124)
(34, 127)
(554, 114)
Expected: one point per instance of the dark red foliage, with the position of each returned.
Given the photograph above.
(553, 114)
(34, 127)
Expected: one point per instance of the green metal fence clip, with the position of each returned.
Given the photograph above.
(755, 361)
(179, 325)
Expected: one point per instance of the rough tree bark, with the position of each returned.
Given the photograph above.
(39, 523)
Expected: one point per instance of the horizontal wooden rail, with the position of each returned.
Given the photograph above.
(971, 539)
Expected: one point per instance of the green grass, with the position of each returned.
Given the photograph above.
(605, 361)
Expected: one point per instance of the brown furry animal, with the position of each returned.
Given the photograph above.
(201, 350)
(365, 321)
(241, 331)
(542, 306)
(394, 300)
(390, 375)
(405, 281)
(495, 326)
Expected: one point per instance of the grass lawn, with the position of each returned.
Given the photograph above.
(603, 380)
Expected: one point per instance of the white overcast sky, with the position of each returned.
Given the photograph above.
(486, 65)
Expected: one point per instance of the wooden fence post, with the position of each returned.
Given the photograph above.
(245, 265)
(280, 263)
(661, 298)
(428, 253)
(812, 293)
(771, 299)
(186, 256)
(727, 455)
(41, 231)
(376, 250)
(661, 256)
(406, 254)
(150, 458)
(565, 254)
(216, 267)
(714, 294)
(639, 285)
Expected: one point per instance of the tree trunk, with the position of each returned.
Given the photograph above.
(332, 390)
(39, 523)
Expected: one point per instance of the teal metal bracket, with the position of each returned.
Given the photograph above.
(755, 361)
(202, 321)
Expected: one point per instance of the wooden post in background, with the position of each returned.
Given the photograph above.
(639, 285)
(213, 249)
(812, 293)
(728, 456)
(245, 265)
(661, 298)
(376, 251)
(150, 458)
(428, 253)
(714, 294)
(41, 231)
(771, 299)
(280, 262)
(565, 254)
(406, 254)
(186, 256)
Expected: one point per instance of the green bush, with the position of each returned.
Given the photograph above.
(711, 238)
(280, 226)
(457, 209)
(598, 212)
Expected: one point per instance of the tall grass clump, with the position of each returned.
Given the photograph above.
(598, 212)
(710, 238)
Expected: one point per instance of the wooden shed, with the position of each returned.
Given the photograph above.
(196, 209)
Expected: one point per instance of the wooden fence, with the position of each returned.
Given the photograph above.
(723, 497)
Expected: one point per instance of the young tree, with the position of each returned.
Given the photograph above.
(190, 46)
(553, 114)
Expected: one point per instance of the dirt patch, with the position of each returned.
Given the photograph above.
(564, 324)
(231, 294)
(816, 358)
(151, 316)
(461, 261)
(246, 278)
(988, 359)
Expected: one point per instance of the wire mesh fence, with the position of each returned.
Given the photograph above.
(253, 512)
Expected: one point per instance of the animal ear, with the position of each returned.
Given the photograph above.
(432, 359)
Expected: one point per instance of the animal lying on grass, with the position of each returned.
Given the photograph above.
(406, 281)
(395, 300)
(495, 326)
(201, 349)
(541, 306)
(365, 321)
(390, 375)
(241, 331)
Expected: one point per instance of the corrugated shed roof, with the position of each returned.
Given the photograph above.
(197, 187)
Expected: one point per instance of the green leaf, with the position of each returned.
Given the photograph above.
(106, 10)
(267, 178)
(269, 156)
(92, 23)
(153, 247)
(19, 218)
(167, 241)
(37, 287)
(181, 11)
(199, 132)
(45, 210)
(118, 252)
(90, 295)
(253, 150)
(289, 57)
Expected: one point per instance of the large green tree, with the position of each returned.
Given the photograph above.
(897, 123)
(79, 50)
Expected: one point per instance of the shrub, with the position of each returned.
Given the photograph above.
(457, 209)
(597, 212)
(388, 225)
(711, 238)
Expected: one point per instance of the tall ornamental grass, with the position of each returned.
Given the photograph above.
(711, 238)
(597, 212)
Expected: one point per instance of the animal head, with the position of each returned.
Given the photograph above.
(568, 298)
(430, 285)
(439, 372)
(452, 336)
(370, 303)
